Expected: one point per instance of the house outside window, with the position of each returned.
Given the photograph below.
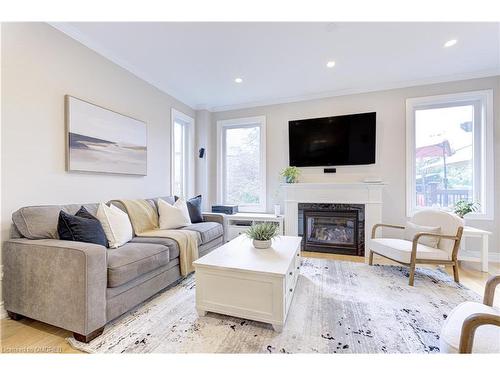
(450, 152)
(242, 163)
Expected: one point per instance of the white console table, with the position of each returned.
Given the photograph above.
(483, 257)
(237, 224)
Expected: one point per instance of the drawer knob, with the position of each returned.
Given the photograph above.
(291, 289)
(298, 267)
(291, 273)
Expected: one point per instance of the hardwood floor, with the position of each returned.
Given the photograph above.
(30, 336)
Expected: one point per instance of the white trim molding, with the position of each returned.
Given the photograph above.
(484, 180)
(221, 146)
(344, 92)
(188, 152)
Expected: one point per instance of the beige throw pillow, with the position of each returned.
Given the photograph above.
(116, 225)
(173, 216)
(412, 229)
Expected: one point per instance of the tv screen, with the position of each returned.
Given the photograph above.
(332, 141)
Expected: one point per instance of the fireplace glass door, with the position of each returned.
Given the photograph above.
(325, 231)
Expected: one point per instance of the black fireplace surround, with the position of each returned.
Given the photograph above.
(336, 228)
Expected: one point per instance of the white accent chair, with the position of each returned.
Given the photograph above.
(409, 253)
(473, 327)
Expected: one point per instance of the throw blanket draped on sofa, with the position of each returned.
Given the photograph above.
(144, 219)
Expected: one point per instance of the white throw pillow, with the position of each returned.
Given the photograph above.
(116, 225)
(173, 216)
(412, 229)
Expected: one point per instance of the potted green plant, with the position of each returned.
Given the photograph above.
(463, 207)
(291, 174)
(262, 234)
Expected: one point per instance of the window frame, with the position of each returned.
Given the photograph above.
(221, 167)
(189, 122)
(483, 183)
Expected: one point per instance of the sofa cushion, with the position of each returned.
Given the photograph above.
(81, 227)
(173, 216)
(208, 230)
(486, 338)
(400, 250)
(412, 229)
(133, 260)
(170, 199)
(194, 208)
(116, 225)
(40, 222)
(172, 245)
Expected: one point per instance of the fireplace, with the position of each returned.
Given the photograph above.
(332, 228)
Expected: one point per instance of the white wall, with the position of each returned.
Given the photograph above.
(203, 168)
(39, 66)
(390, 162)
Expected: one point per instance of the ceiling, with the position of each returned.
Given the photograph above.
(278, 62)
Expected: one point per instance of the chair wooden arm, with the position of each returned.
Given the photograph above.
(489, 290)
(457, 238)
(417, 236)
(374, 229)
(469, 329)
(426, 234)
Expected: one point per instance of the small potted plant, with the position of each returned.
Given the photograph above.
(262, 234)
(291, 174)
(463, 207)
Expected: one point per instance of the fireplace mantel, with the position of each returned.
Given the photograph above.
(368, 194)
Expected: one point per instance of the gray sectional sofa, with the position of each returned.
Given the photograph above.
(81, 286)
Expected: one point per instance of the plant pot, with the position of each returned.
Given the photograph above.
(290, 180)
(262, 244)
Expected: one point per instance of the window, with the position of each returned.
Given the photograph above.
(182, 171)
(450, 152)
(242, 163)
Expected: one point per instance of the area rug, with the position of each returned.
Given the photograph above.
(338, 307)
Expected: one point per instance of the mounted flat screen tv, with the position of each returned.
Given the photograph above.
(332, 141)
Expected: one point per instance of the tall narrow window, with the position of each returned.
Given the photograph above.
(449, 152)
(182, 173)
(242, 168)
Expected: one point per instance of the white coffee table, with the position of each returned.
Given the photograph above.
(239, 280)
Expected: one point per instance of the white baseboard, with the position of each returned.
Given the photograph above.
(492, 257)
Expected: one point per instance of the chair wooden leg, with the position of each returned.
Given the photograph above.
(412, 274)
(370, 258)
(455, 272)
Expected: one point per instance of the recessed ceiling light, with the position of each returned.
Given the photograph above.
(450, 43)
(330, 64)
(238, 80)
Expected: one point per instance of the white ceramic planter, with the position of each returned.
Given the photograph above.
(262, 244)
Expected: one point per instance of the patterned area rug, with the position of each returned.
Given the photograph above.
(338, 307)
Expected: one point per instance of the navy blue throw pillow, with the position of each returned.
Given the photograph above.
(194, 209)
(82, 227)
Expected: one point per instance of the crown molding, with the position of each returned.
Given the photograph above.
(380, 87)
(75, 34)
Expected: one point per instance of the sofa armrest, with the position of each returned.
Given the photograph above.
(62, 283)
(215, 217)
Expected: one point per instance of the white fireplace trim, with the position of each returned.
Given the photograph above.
(368, 194)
